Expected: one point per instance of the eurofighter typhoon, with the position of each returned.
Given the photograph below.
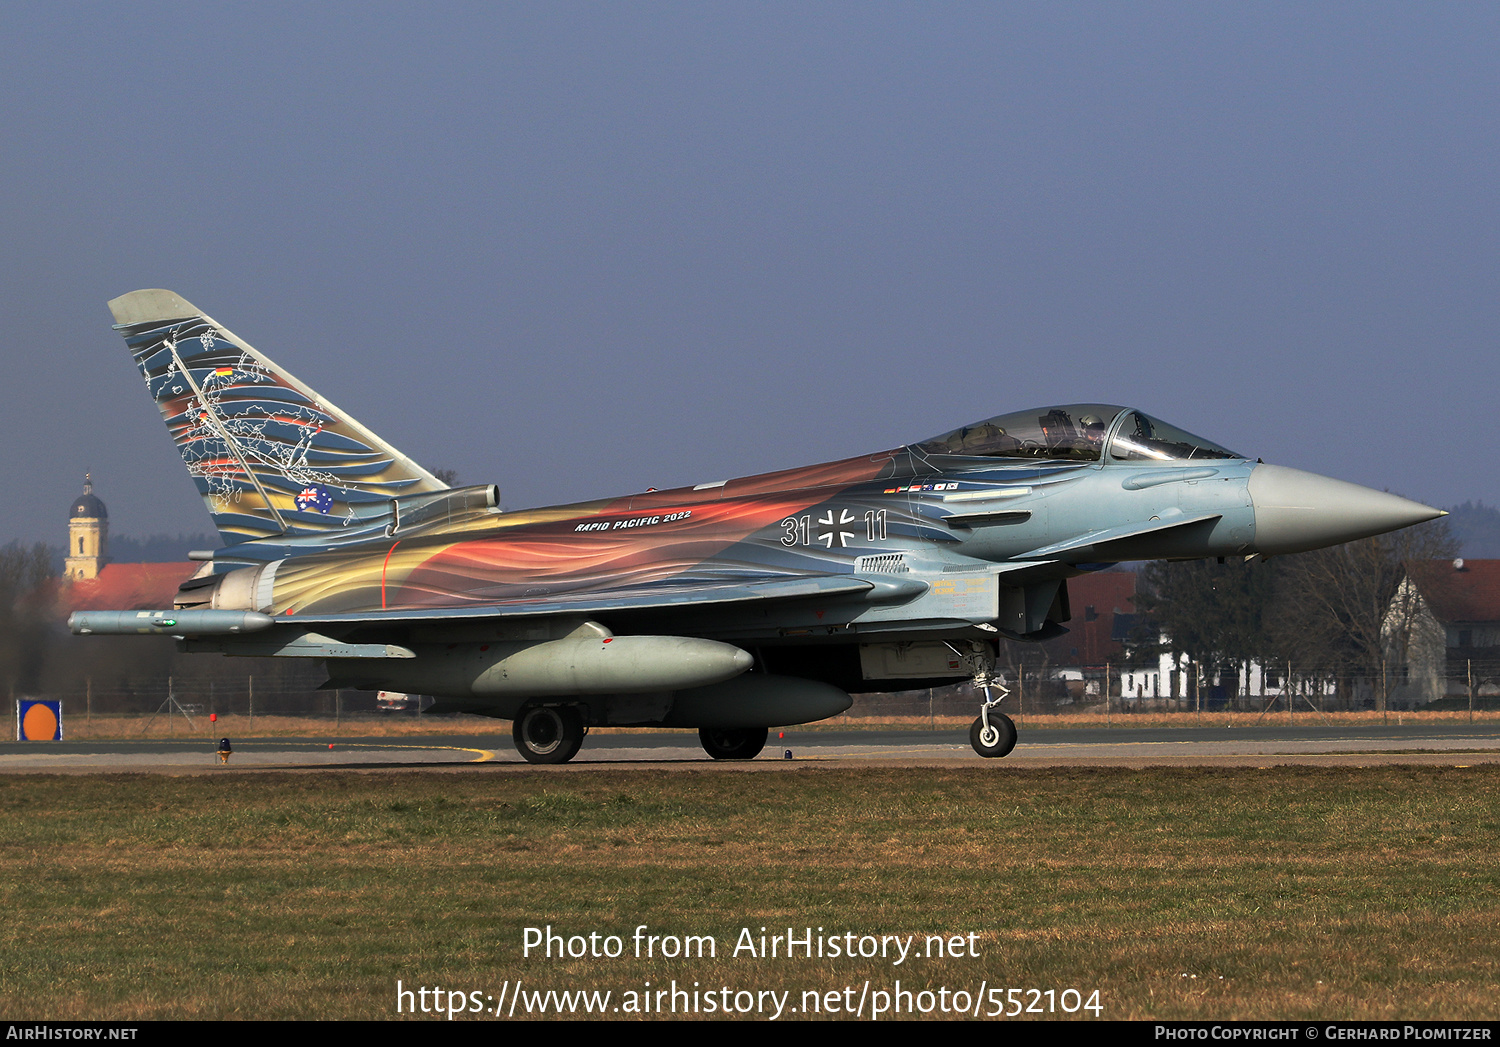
(731, 606)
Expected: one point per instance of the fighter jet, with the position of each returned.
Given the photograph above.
(731, 606)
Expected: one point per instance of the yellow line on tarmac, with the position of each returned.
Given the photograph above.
(484, 754)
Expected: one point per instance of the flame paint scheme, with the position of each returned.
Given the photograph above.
(730, 606)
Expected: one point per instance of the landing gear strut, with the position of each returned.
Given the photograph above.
(992, 733)
(548, 733)
(744, 743)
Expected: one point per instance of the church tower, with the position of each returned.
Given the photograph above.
(88, 534)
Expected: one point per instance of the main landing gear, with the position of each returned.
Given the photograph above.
(549, 733)
(743, 743)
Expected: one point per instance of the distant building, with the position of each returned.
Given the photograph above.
(1442, 630)
(1098, 601)
(88, 535)
(1151, 673)
(1171, 676)
(1102, 603)
(93, 583)
(1105, 636)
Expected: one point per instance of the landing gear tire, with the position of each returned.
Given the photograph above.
(548, 733)
(999, 740)
(743, 743)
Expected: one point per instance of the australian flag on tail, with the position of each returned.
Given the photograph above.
(315, 498)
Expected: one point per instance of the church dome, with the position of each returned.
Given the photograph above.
(88, 505)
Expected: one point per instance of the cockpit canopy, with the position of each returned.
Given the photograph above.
(1076, 433)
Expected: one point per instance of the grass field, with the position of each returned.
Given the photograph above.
(1279, 893)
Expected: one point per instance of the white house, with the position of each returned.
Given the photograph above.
(1442, 631)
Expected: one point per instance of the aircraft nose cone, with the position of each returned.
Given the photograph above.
(1297, 511)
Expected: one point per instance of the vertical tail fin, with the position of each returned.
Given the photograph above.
(269, 455)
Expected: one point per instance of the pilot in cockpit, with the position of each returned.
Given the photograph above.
(1093, 429)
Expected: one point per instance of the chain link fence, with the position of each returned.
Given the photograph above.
(1103, 691)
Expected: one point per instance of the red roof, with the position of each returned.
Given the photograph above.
(127, 587)
(1471, 594)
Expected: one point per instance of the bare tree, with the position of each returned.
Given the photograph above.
(27, 588)
(1341, 609)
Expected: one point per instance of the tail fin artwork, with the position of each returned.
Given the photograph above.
(269, 454)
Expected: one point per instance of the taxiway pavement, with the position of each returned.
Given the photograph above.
(1447, 744)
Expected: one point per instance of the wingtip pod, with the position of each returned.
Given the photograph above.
(269, 454)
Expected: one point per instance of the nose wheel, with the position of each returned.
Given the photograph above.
(995, 738)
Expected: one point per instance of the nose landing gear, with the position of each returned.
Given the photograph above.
(992, 733)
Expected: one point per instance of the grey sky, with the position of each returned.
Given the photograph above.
(577, 250)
